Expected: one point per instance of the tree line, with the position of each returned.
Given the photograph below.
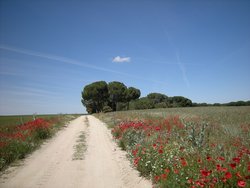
(113, 96)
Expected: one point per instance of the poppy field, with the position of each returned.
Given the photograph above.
(186, 147)
(18, 138)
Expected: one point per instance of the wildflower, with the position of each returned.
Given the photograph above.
(236, 159)
(241, 183)
(183, 162)
(136, 161)
(199, 183)
(134, 152)
(218, 167)
(163, 176)
(176, 171)
(209, 158)
(233, 165)
(228, 175)
(167, 170)
(221, 158)
(238, 175)
(224, 169)
(205, 172)
(160, 151)
(157, 178)
(190, 181)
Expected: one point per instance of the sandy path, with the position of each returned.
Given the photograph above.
(104, 164)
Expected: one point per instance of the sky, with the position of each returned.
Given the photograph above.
(51, 49)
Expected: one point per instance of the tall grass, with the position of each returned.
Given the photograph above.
(16, 141)
(187, 147)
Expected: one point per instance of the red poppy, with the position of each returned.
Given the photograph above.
(228, 175)
(218, 167)
(176, 171)
(236, 159)
(157, 178)
(190, 181)
(224, 169)
(209, 158)
(241, 183)
(160, 151)
(163, 176)
(184, 162)
(238, 175)
(205, 172)
(221, 158)
(167, 170)
(233, 165)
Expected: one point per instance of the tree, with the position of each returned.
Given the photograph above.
(94, 96)
(132, 94)
(179, 101)
(158, 99)
(117, 93)
(143, 103)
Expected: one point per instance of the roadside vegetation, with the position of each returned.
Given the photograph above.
(186, 147)
(20, 135)
(116, 96)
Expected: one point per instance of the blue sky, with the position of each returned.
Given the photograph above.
(49, 50)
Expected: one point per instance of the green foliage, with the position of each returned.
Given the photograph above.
(107, 109)
(94, 96)
(143, 103)
(132, 94)
(179, 101)
(117, 93)
(157, 97)
(16, 141)
(121, 106)
(198, 147)
(98, 95)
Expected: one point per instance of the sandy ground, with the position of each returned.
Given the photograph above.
(55, 165)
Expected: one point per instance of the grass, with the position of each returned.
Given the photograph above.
(186, 147)
(20, 135)
(80, 148)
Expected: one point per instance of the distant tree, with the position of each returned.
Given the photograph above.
(132, 94)
(143, 103)
(117, 93)
(179, 101)
(157, 97)
(94, 96)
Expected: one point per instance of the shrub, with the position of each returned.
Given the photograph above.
(107, 109)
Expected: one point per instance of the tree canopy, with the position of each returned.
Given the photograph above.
(100, 96)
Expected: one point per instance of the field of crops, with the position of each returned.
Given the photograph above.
(186, 147)
(20, 135)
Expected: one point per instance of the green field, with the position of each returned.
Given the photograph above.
(186, 147)
(12, 121)
(20, 135)
(232, 116)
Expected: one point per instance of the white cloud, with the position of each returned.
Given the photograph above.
(119, 59)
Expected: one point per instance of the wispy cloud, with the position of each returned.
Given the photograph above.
(72, 62)
(119, 59)
(177, 55)
(183, 69)
(28, 91)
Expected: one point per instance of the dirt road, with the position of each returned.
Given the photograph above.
(61, 163)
